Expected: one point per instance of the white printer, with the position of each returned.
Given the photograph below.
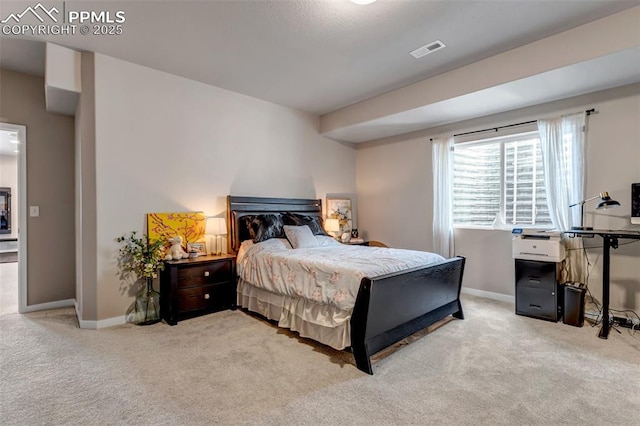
(533, 244)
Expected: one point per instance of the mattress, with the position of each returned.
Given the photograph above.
(313, 290)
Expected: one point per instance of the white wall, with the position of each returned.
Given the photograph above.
(394, 192)
(165, 143)
(9, 179)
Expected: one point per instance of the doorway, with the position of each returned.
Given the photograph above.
(13, 207)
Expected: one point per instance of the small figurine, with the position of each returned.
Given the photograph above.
(176, 252)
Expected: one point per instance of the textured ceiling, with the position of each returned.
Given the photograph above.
(313, 55)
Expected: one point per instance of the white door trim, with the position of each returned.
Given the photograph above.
(22, 212)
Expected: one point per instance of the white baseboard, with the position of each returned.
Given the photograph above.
(490, 295)
(95, 325)
(110, 322)
(67, 303)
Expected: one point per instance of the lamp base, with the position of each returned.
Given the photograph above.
(582, 228)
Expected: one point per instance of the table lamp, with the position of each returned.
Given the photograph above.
(333, 226)
(605, 203)
(216, 227)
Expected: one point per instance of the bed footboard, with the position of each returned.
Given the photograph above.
(391, 307)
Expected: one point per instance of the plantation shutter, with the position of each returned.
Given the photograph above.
(525, 195)
(500, 181)
(476, 184)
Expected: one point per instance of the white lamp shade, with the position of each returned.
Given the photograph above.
(332, 225)
(216, 226)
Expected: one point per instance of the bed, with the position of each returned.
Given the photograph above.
(384, 302)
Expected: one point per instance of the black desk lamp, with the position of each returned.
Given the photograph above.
(605, 203)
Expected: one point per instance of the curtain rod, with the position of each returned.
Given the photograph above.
(495, 129)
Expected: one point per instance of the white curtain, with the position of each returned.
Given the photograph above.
(563, 143)
(442, 160)
(564, 148)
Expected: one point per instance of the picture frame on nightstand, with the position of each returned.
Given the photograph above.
(199, 247)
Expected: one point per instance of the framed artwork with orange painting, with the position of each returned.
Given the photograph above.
(188, 225)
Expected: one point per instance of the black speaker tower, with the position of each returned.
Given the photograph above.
(635, 203)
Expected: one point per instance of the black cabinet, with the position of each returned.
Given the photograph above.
(192, 287)
(537, 292)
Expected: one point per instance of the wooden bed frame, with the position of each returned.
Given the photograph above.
(388, 308)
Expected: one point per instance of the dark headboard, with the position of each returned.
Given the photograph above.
(237, 207)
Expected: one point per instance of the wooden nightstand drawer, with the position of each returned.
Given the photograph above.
(207, 297)
(192, 287)
(206, 274)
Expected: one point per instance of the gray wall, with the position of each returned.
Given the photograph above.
(85, 190)
(50, 185)
(9, 179)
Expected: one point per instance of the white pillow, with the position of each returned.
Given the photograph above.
(274, 244)
(324, 241)
(300, 236)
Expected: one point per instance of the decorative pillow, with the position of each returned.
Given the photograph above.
(300, 236)
(313, 222)
(266, 226)
(244, 227)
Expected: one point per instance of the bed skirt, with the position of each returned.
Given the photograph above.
(326, 324)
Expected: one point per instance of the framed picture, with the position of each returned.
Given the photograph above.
(188, 225)
(199, 247)
(340, 208)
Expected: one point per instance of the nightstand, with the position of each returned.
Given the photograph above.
(193, 287)
(359, 243)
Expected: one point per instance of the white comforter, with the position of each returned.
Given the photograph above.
(329, 274)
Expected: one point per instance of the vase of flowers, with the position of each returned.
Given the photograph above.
(143, 258)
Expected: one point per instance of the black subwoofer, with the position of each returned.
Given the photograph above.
(573, 312)
(635, 203)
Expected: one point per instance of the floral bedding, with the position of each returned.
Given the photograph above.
(329, 273)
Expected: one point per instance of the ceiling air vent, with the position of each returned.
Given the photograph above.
(429, 48)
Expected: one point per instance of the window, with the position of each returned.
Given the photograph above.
(500, 182)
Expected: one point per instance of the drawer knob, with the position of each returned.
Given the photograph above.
(206, 296)
(206, 273)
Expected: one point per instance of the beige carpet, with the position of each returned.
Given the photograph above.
(231, 368)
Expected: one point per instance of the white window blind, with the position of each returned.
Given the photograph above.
(476, 184)
(500, 181)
